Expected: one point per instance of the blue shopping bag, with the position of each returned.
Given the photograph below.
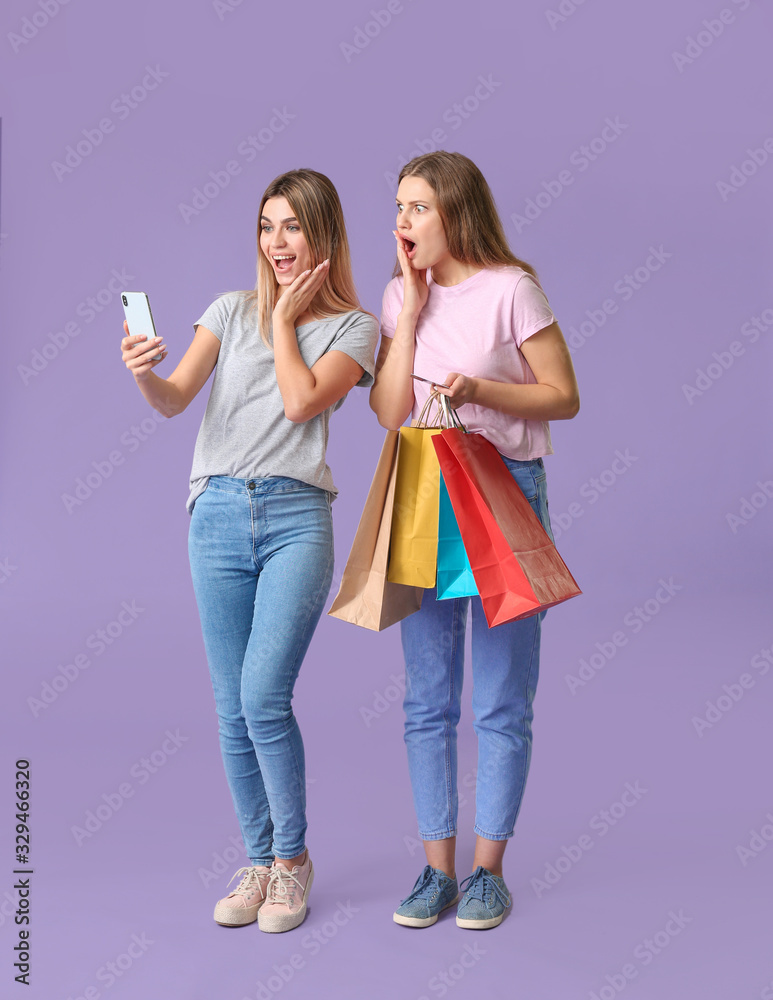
(454, 574)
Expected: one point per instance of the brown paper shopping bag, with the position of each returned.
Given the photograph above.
(366, 597)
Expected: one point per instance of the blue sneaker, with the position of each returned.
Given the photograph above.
(433, 892)
(484, 903)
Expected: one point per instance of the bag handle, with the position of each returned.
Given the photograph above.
(423, 420)
(447, 417)
(450, 414)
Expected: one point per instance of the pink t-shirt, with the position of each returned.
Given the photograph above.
(476, 328)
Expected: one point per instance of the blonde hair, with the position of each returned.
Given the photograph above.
(473, 229)
(317, 207)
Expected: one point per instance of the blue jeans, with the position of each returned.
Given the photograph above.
(505, 668)
(261, 554)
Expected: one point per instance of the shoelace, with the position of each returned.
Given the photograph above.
(481, 882)
(280, 886)
(426, 885)
(250, 880)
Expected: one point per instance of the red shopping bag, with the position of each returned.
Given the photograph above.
(516, 567)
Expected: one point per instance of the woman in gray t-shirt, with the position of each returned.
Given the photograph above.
(261, 543)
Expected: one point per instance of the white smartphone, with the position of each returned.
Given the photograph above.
(136, 307)
(431, 382)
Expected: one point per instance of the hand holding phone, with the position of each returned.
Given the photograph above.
(430, 381)
(136, 307)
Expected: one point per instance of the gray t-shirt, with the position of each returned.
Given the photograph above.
(245, 432)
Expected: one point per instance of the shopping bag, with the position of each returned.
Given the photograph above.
(365, 596)
(413, 548)
(454, 573)
(517, 568)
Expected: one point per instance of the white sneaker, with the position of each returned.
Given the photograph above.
(285, 905)
(241, 906)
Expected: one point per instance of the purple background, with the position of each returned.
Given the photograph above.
(357, 116)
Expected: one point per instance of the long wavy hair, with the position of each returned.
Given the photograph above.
(317, 207)
(473, 229)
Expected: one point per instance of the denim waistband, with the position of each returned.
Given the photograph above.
(256, 484)
(518, 463)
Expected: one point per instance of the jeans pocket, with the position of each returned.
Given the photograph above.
(286, 484)
(199, 498)
(527, 482)
(532, 481)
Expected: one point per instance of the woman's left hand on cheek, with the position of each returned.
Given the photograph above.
(298, 296)
(461, 389)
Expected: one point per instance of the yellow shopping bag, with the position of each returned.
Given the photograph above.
(414, 539)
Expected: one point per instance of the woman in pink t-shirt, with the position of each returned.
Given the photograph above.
(463, 310)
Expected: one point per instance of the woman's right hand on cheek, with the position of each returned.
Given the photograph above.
(415, 289)
(137, 351)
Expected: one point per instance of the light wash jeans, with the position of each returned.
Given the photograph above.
(261, 554)
(505, 668)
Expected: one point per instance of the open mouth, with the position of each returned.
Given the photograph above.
(283, 262)
(410, 247)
